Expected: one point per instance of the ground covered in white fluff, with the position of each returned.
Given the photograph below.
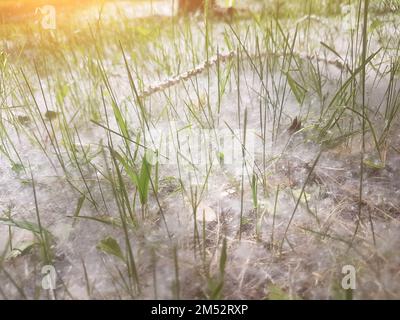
(241, 203)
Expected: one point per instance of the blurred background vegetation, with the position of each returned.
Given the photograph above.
(22, 9)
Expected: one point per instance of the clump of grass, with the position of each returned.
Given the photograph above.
(88, 104)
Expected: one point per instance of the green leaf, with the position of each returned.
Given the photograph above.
(276, 293)
(215, 288)
(110, 246)
(144, 180)
(23, 224)
(141, 181)
(332, 50)
(79, 205)
(298, 91)
(223, 258)
(254, 190)
(375, 24)
(374, 164)
(61, 92)
(120, 120)
(128, 168)
(111, 221)
(17, 167)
